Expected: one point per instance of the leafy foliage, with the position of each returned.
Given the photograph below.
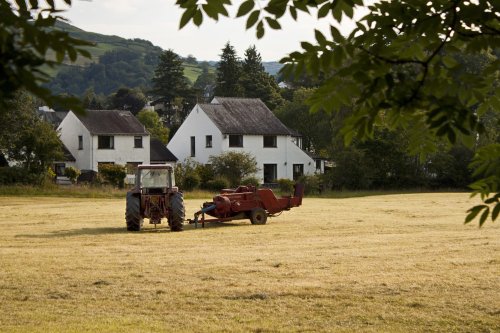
(72, 173)
(234, 166)
(151, 120)
(26, 38)
(132, 100)
(256, 82)
(113, 173)
(401, 66)
(228, 73)
(25, 138)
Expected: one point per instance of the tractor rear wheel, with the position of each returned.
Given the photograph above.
(133, 213)
(177, 212)
(258, 216)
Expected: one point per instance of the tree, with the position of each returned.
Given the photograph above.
(228, 73)
(205, 83)
(400, 64)
(26, 38)
(169, 83)
(132, 100)
(152, 122)
(234, 166)
(256, 82)
(27, 139)
(315, 128)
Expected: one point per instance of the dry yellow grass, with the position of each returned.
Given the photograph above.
(394, 263)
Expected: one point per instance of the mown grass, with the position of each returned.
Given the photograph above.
(392, 263)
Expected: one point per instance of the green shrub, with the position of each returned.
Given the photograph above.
(15, 175)
(253, 181)
(72, 173)
(206, 173)
(311, 183)
(285, 185)
(217, 184)
(190, 182)
(113, 173)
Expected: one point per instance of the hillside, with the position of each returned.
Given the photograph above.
(115, 62)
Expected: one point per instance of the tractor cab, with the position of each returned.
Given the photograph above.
(152, 179)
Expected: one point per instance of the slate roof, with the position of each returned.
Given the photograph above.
(160, 153)
(248, 116)
(112, 122)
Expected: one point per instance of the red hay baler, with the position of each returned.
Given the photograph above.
(247, 202)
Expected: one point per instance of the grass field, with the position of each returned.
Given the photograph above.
(388, 263)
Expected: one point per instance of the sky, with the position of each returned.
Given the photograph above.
(158, 22)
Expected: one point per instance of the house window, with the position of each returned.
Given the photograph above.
(80, 142)
(235, 140)
(270, 173)
(318, 164)
(193, 146)
(298, 171)
(270, 141)
(208, 141)
(59, 168)
(106, 142)
(138, 141)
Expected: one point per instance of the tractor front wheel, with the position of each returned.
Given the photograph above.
(177, 212)
(258, 216)
(133, 213)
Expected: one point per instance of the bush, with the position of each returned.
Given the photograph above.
(72, 173)
(190, 182)
(234, 166)
(286, 185)
(114, 174)
(15, 175)
(206, 173)
(217, 184)
(253, 181)
(311, 183)
(185, 170)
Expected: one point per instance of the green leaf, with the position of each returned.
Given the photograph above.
(494, 213)
(245, 8)
(198, 18)
(273, 23)
(186, 17)
(260, 30)
(253, 18)
(473, 213)
(324, 10)
(484, 216)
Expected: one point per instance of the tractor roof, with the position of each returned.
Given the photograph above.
(244, 116)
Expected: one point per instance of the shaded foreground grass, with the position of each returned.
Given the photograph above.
(382, 263)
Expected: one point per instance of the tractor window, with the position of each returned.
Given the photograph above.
(154, 178)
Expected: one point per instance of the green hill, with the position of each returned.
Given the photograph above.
(116, 62)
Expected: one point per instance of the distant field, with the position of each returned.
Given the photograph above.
(389, 263)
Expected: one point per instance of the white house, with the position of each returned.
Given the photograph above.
(99, 137)
(246, 125)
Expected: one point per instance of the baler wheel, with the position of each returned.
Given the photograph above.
(133, 213)
(178, 212)
(258, 216)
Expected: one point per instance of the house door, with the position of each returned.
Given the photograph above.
(270, 173)
(298, 171)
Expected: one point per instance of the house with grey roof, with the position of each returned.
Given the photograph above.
(244, 125)
(109, 136)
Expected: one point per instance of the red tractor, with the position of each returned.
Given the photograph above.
(247, 202)
(154, 196)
